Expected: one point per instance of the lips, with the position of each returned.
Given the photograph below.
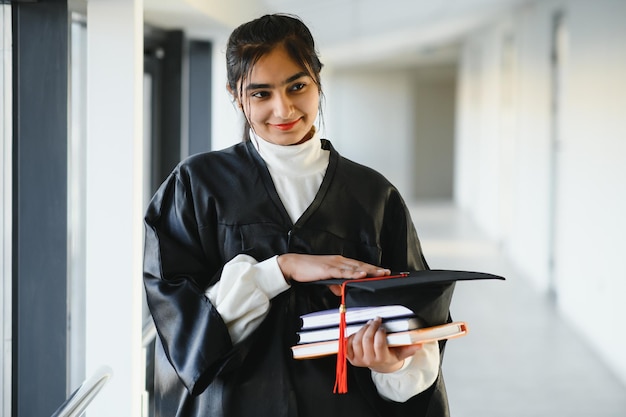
(286, 126)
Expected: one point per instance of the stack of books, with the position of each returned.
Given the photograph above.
(319, 332)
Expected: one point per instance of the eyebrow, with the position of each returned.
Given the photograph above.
(287, 81)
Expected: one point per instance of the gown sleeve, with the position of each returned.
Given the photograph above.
(242, 295)
(418, 374)
(180, 262)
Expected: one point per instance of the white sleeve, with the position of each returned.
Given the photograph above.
(243, 293)
(414, 377)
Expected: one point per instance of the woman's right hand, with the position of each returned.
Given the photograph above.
(307, 268)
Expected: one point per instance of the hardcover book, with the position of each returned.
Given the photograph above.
(423, 335)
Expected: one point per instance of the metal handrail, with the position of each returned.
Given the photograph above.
(76, 403)
(149, 332)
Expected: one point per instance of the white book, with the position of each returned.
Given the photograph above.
(332, 333)
(329, 318)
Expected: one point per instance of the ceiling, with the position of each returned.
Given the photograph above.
(348, 32)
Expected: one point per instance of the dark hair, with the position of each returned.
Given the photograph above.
(250, 41)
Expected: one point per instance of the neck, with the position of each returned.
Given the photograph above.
(306, 137)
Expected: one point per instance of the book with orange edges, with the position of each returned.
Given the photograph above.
(422, 335)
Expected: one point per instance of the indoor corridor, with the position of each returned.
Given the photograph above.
(520, 357)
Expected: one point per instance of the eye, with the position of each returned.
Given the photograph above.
(260, 94)
(298, 86)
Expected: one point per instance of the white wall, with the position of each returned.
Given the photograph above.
(591, 222)
(227, 121)
(485, 138)
(368, 118)
(432, 163)
(530, 237)
(114, 204)
(568, 202)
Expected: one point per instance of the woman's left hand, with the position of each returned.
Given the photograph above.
(369, 348)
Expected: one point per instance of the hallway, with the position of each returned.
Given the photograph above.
(520, 357)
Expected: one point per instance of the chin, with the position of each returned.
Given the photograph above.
(286, 140)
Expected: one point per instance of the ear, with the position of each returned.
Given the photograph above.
(234, 95)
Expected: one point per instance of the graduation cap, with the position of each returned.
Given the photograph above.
(427, 293)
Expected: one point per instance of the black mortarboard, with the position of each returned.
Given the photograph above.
(427, 293)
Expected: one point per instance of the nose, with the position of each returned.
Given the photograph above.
(283, 106)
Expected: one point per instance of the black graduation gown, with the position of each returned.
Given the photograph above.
(217, 205)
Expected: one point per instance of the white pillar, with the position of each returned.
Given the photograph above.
(6, 209)
(114, 232)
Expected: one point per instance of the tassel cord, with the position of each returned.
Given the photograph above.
(341, 375)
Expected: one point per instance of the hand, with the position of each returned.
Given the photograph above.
(368, 348)
(307, 268)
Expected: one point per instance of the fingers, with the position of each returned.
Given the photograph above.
(403, 352)
(368, 348)
(335, 289)
(369, 344)
(300, 267)
(351, 268)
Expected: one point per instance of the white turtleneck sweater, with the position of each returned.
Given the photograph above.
(243, 294)
(297, 171)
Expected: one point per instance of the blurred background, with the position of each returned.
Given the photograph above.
(502, 122)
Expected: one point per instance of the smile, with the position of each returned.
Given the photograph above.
(286, 126)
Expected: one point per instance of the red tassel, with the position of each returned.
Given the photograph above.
(341, 374)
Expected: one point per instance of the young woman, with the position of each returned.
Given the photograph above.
(230, 235)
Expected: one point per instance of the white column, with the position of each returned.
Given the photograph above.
(6, 209)
(114, 232)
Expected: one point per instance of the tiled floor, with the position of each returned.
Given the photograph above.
(520, 358)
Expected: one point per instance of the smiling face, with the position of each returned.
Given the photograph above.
(280, 99)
